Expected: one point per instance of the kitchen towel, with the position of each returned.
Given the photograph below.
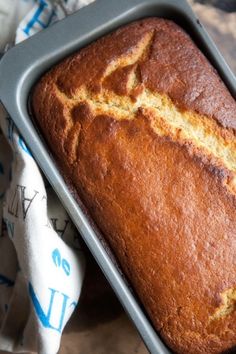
(41, 263)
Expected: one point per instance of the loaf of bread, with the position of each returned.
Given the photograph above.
(144, 129)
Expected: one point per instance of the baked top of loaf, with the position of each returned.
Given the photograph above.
(144, 129)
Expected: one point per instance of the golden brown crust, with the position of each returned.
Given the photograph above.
(144, 128)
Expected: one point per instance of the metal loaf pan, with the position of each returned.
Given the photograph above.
(24, 64)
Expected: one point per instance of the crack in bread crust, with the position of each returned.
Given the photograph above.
(205, 135)
(213, 142)
(139, 53)
(228, 305)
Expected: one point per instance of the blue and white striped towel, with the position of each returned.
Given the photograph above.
(41, 264)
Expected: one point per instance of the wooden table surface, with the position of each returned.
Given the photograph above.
(100, 326)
